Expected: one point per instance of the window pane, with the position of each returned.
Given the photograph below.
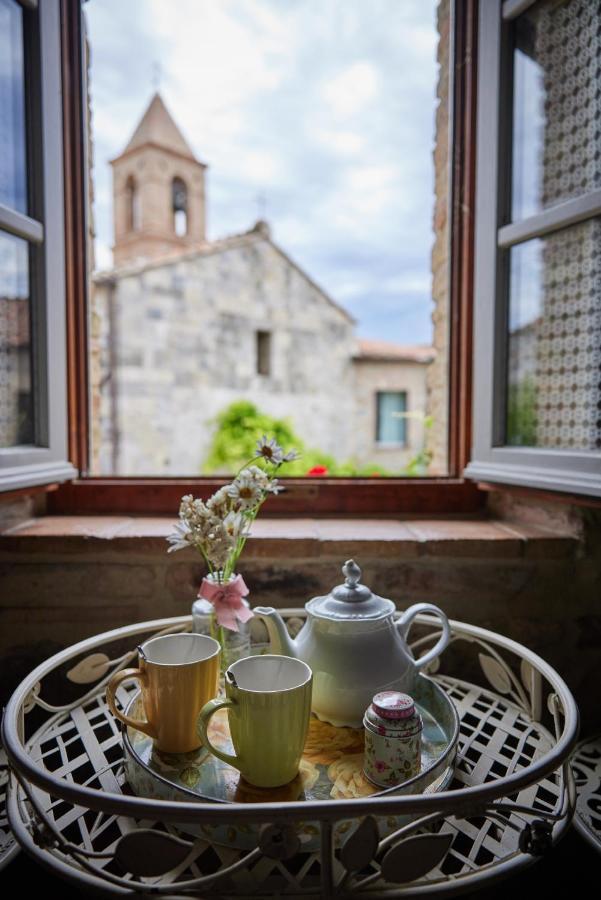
(13, 185)
(554, 352)
(557, 104)
(391, 427)
(16, 401)
(290, 249)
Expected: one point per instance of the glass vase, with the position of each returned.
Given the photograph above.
(234, 644)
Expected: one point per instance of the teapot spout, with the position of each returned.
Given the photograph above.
(280, 640)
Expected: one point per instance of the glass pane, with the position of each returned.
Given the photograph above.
(557, 104)
(391, 417)
(307, 271)
(554, 353)
(16, 400)
(13, 184)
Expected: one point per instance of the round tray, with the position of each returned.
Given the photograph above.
(331, 768)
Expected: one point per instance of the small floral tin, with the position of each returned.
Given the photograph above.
(393, 730)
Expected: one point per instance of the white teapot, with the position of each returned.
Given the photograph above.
(354, 647)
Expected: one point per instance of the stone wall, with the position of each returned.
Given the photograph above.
(438, 372)
(179, 345)
(372, 376)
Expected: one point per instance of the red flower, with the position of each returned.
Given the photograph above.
(318, 470)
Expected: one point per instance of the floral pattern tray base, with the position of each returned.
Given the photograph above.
(331, 767)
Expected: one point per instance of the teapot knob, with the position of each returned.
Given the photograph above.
(351, 572)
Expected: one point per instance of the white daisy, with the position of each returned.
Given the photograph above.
(258, 475)
(245, 490)
(269, 450)
(180, 538)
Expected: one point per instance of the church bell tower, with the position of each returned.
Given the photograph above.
(158, 191)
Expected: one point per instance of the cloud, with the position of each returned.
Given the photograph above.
(339, 143)
(348, 92)
(326, 110)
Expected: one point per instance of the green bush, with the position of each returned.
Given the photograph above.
(241, 425)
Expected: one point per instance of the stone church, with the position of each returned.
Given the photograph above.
(189, 325)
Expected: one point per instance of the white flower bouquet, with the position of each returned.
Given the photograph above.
(218, 529)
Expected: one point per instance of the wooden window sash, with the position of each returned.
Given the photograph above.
(308, 496)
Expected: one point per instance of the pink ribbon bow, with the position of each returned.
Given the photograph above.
(227, 600)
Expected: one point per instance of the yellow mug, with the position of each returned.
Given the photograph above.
(178, 673)
(268, 699)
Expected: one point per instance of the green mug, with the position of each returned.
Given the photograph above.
(268, 699)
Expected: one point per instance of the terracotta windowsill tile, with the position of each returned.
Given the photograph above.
(299, 538)
(464, 538)
(104, 527)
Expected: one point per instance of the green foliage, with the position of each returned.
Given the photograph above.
(419, 465)
(521, 413)
(241, 425)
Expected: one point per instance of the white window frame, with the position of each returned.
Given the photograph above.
(46, 461)
(491, 461)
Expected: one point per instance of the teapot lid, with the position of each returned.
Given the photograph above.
(351, 600)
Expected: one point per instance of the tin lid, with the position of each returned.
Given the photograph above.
(351, 600)
(393, 705)
(396, 728)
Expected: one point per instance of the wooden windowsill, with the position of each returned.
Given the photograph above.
(402, 538)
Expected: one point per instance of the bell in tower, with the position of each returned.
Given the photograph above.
(158, 191)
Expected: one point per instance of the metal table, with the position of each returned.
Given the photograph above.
(511, 799)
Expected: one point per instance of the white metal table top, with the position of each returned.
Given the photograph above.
(511, 798)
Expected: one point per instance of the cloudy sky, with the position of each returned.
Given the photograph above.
(315, 114)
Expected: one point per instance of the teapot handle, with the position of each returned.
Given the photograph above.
(407, 618)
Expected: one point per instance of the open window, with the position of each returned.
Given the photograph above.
(33, 424)
(537, 396)
(140, 487)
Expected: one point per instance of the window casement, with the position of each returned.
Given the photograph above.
(33, 397)
(323, 496)
(537, 295)
(391, 419)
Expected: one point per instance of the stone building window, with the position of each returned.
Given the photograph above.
(263, 353)
(179, 195)
(132, 204)
(391, 423)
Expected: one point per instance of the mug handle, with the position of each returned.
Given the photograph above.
(111, 690)
(205, 714)
(407, 618)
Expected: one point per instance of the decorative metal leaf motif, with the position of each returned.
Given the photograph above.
(531, 678)
(361, 846)
(495, 673)
(148, 853)
(526, 673)
(415, 857)
(89, 669)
